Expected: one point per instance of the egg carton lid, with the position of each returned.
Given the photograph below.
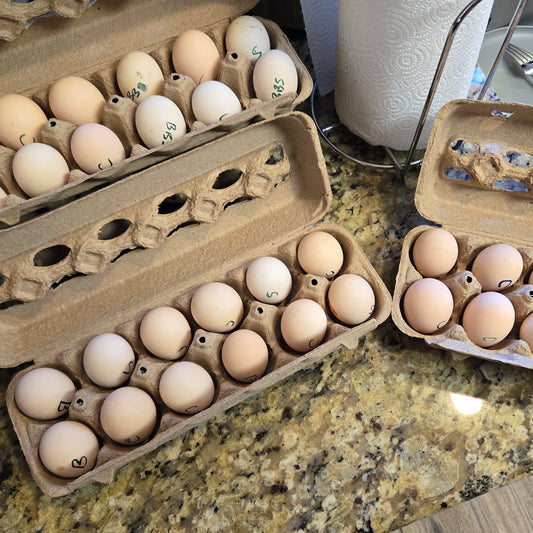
(483, 190)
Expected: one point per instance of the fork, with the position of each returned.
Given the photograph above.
(522, 57)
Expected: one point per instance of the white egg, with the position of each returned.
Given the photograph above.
(212, 101)
(248, 37)
(269, 280)
(274, 75)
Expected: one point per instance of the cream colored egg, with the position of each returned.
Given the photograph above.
(488, 318)
(351, 299)
(44, 393)
(526, 331)
(195, 54)
(76, 100)
(245, 355)
(108, 360)
(248, 37)
(217, 307)
(303, 325)
(21, 121)
(435, 252)
(95, 147)
(320, 254)
(68, 449)
(159, 121)
(39, 168)
(428, 305)
(139, 76)
(274, 75)
(212, 101)
(3, 197)
(497, 267)
(186, 387)
(128, 415)
(165, 332)
(269, 280)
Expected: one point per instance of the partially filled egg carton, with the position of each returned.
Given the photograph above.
(204, 350)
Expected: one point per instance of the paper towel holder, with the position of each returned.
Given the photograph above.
(408, 163)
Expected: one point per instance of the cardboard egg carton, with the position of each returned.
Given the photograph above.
(97, 63)
(487, 142)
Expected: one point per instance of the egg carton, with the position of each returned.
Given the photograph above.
(474, 182)
(155, 36)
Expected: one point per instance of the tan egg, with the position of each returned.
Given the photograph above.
(217, 307)
(427, 305)
(68, 449)
(248, 37)
(139, 76)
(186, 387)
(213, 101)
(95, 147)
(44, 393)
(269, 280)
(488, 318)
(165, 332)
(108, 360)
(245, 355)
(526, 331)
(320, 254)
(194, 54)
(303, 325)
(351, 299)
(497, 267)
(76, 100)
(21, 121)
(128, 415)
(274, 75)
(3, 197)
(435, 252)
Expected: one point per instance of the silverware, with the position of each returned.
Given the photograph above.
(522, 57)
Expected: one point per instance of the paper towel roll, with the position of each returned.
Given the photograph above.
(387, 53)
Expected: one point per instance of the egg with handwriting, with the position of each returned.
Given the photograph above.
(95, 147)
(128, 415)
(3, 197)
(38, 168)
(108, 360)
(320, 254)
(44, 393)
(274, 75)
(303, 324)
(244, 355)
(248, 37)
(186, 387)
(76, 100)
(213, 101)
(159, 121)
(269, 280)
(435, 252)
(351, 299)
(139, 76)
(165, 332)
(497, 267)
(526, 331)
(21, 121)
(488, 318)
(68, 449)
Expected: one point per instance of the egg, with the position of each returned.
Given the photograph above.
(139, 76)
(248, 37)
(526, 331)
(497, 267)
(212, 101)
(245, 355)
(39, 168)
(95, 147)
(21, 121)
(320, 254)
(303, 324)
(269, 280)
(159, 121)
(435, 252)
(3, 197)
(108, 360)
(44, 393)
(128, 415)
(488, 318)
(195, 54)
(186, 387)
(427, 305)
(68, 449)
(274, 75)
(76, 100)
(351, 299)
(165, 332)
(217, 307)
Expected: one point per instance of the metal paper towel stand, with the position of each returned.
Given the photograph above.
(404, 168)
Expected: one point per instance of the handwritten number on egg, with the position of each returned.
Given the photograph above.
(63, 406)
(22, 142)
(505, 283)
(130, 368)
(79, 463)
(133, 440)
(271, 294)
(134, 93)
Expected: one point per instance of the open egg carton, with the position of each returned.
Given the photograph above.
(48, 52)
(54, 330)
(476, 180)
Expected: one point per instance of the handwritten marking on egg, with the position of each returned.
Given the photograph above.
(435, 252)
(351, 299)
(244, 355)
(303, 324)
(139, 76)
(274, 75)
(248, 37)
(320, 254)
(497, 267)
(213, 101)
(268, 279)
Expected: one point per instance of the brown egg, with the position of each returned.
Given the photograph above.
(320, 254)
(526, 331)
(245, 355)
(497, 267)
(435, 252)
(351, 299)
(303, 324)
